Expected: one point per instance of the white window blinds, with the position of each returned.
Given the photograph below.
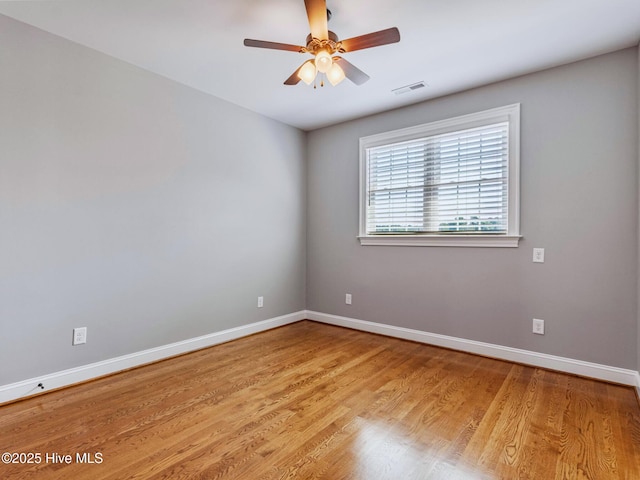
(452, 183)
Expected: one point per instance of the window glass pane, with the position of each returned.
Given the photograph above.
(450, 183)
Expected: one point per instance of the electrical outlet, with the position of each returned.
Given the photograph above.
(538, 326)
(260, 302)
(347, 299)
(79, 336)
(538, 255)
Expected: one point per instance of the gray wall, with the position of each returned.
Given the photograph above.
(579, 166)
(135, 206)
(117, 213)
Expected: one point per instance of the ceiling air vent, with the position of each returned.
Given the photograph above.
(409, 88)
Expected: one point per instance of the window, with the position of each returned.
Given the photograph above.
(453, 183)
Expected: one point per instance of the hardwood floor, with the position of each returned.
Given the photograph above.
(312, 401)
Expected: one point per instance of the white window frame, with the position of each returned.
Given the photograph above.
(510, 114)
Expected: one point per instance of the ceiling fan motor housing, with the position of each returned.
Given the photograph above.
(331, 45)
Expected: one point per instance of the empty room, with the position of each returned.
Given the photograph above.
(309, 239)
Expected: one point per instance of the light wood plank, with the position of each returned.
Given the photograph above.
(312, 401)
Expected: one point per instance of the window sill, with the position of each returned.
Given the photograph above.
(509, 241)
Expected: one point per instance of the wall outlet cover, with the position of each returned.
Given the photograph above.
(538, 326)
(79, 336)
(538, 255)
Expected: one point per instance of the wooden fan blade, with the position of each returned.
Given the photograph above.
(294, 78)
(273, 45)
(317, 15)
(375, 39)
(352, 72)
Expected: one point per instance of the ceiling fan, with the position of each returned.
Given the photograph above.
(323, 44)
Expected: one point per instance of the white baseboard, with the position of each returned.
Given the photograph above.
(552, 362)
(83, 373)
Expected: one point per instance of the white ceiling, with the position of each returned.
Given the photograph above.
(452, 45)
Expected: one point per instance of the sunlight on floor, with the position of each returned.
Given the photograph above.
(384, 452)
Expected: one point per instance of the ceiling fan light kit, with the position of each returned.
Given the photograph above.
(335, 74)
(323, 61)
(307, 72)
(323, 45)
